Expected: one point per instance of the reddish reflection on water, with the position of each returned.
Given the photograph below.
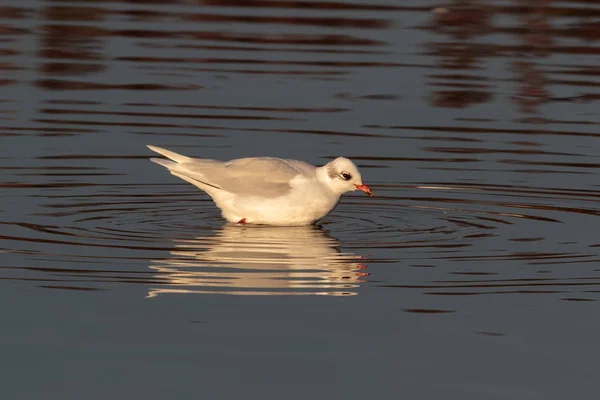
(474, 271)
(451, 110)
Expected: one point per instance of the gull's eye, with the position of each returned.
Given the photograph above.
(346, 176)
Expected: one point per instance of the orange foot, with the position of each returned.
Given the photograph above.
(242, 221)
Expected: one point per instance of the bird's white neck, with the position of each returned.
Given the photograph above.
(324, 178)
(322, 175)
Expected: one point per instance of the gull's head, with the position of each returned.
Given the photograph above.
(341, 175)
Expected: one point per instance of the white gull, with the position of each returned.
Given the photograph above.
(267, 190)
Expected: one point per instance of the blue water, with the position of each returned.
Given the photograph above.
(473, 272)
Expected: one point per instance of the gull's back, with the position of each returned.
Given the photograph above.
(256, 176)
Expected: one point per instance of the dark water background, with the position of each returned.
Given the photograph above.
(473, 274)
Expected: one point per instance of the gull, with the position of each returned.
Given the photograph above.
(267, 190)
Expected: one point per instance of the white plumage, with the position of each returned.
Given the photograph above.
(266, 190)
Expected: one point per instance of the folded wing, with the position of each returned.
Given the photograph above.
(261, 176)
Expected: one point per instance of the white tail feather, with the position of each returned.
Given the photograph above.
(165, 163)
(178, 158)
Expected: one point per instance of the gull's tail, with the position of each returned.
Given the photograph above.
(177, 158)
(189, 169)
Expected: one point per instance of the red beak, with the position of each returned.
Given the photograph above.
(365, 189)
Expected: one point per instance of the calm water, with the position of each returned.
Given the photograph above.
(473, 274)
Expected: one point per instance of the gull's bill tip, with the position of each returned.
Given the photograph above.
(365, 189)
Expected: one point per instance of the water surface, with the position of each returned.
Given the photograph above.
(473, 273)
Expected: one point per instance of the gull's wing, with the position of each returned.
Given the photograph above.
(260, 176)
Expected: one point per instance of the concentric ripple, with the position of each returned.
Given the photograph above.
(181, 241)
(172, 239)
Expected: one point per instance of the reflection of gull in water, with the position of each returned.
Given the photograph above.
(260, 260)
